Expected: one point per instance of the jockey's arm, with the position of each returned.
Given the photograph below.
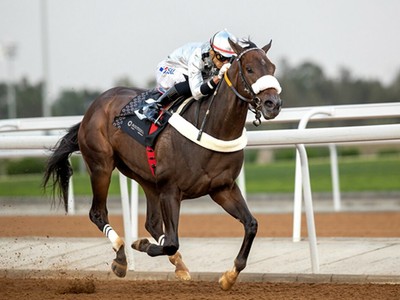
(198, 86)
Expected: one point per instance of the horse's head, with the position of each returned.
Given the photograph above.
(255, 81)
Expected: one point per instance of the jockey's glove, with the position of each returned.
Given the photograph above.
(223, 69)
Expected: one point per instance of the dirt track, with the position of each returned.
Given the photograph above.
(351, 224)
(90, 289)
(380, 224)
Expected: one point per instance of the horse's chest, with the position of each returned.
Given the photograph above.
(210, 173)
(194, 168)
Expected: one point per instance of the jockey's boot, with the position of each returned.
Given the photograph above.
(152, 110)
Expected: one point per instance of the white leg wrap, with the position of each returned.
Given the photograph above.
(161, 240)
(110, 233)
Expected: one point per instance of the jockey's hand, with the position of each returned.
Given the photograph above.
(223, 69)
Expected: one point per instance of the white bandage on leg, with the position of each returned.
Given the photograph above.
(110, 233)
(161, 240)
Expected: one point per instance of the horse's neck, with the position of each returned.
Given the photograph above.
(227, 115)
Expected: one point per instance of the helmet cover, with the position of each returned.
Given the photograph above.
(219, 43)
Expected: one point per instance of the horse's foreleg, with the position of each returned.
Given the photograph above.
(232, 201)
(168, 213)
(170, 208)
(144, 245)
(154, 225)
(181, 271)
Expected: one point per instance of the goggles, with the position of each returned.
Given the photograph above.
(221, 58)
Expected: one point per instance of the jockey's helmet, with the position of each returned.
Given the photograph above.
(220, 44)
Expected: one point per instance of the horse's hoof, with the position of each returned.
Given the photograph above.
(119, 264)
(119, 269)
(183, 275)
(141, 245)
(181, 271)
(228, 279)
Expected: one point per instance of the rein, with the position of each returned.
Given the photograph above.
(203, 124)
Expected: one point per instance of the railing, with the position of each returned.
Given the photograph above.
(49, 130)
(301, 116)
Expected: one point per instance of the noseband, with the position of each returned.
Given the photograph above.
(254, 101)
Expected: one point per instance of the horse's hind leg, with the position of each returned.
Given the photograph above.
(232, 201)
(100, 167)
(99, 216)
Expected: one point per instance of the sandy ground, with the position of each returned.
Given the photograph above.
(117, 289)
(349, 224)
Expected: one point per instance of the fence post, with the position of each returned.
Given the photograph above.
(335, 177)
(134, 210)
(312, 236)
(71, 199)
(298, 189)
(123, 184)
(299, 184)
(242, 182)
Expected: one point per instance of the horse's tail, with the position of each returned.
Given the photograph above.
(58, 167)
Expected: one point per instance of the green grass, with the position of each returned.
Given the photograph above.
(30, 185)
(356, 174)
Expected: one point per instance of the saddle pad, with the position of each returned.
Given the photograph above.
(130, 123)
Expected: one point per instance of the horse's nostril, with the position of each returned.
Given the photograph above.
(269, 104)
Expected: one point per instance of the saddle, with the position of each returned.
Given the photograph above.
(131, 121)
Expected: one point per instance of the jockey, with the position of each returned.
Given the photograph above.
(194, 69)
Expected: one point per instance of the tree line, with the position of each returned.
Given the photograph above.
(303, 85)
(308, 85)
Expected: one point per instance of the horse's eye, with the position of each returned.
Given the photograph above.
(249, 70)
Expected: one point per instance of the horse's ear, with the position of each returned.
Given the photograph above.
(266, 47)
(235, 46)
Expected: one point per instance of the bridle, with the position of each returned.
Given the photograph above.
(254, 101)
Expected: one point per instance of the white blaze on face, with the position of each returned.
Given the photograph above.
(266, 82)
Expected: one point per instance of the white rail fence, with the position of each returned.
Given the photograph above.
(30, 137)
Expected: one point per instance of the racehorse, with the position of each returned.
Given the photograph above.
(185, 170)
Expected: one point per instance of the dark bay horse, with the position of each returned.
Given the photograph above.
(184, 170)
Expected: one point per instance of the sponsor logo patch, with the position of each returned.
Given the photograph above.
(167, 70)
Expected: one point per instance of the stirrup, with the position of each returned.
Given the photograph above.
(152, 113)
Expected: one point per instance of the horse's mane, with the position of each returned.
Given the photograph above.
(247, 43)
